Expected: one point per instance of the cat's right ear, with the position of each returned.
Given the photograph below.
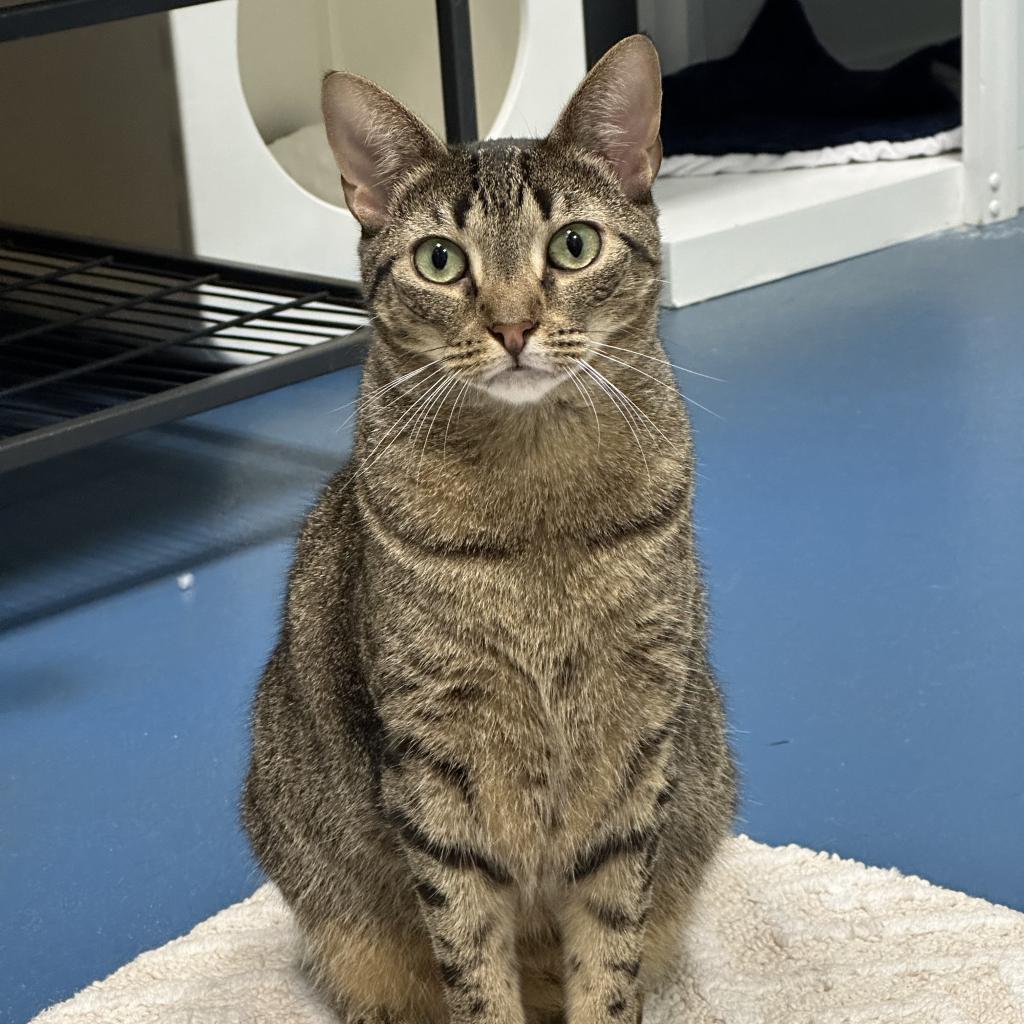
(375, 141)
(616, 113)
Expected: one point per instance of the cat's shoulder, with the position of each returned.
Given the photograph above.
(330, 519)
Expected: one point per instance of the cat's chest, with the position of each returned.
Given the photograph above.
(565, 771)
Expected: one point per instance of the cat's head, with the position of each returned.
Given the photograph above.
(508, 261)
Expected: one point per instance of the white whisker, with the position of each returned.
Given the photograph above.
(402, 420)
(640, 412)
(622, 412)
(636, 369)
(590, 401)
(452, 382)
(374, 395)
(634, 408)
(455, 405)
(462, 404)
(657, 359)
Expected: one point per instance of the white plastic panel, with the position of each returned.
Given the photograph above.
(728, 232)
(245, 207)
(990, 97)
(550, 62)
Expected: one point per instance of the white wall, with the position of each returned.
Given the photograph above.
(364, 39)
(88, 143)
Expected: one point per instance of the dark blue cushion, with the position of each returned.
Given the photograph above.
(782, 91)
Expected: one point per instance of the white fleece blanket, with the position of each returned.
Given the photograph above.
(689, 165)
(782, 936)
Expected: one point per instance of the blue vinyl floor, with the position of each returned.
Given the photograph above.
(860, 515)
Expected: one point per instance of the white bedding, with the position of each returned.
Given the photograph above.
(782, 936)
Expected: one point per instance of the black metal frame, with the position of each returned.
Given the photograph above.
(457, 84)
(161, 351)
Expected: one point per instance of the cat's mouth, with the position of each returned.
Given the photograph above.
(520, 384)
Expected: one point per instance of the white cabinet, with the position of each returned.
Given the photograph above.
(733, 231)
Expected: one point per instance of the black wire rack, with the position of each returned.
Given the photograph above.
(96, 341)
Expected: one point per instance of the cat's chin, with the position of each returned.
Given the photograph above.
(521, 385)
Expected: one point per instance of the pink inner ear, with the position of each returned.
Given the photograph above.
(625, 142)
(364, 204)
(637, 168)
(374, 140)
(350, 131)
(628, 134)
(616, 113)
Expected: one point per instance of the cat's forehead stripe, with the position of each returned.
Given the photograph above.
(498, 177)
(460, 208)
(542, 198)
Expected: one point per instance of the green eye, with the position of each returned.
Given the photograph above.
(574, 247)
(439, 260)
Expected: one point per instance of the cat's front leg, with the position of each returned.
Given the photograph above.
(603, 923)
(469, 905)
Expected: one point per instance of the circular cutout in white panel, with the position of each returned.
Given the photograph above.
(262, 184)
(243, 206)
(284, 51)
(550, 62)
(528, 58)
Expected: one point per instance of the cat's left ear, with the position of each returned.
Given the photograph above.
(616, 113)
(375, 141)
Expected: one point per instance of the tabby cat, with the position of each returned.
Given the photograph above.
(489, 761)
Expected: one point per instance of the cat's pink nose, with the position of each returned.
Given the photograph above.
(513, 336)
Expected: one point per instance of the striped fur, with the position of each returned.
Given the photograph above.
(489, 761)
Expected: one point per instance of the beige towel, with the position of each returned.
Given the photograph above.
(782, 935)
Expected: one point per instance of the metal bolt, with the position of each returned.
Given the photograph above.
(994, 181)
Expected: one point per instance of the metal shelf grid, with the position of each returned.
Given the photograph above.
(96, 342)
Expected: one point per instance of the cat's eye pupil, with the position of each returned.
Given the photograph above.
(574, 244)
(439, 260)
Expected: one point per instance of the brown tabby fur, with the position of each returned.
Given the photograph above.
(489, 760)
